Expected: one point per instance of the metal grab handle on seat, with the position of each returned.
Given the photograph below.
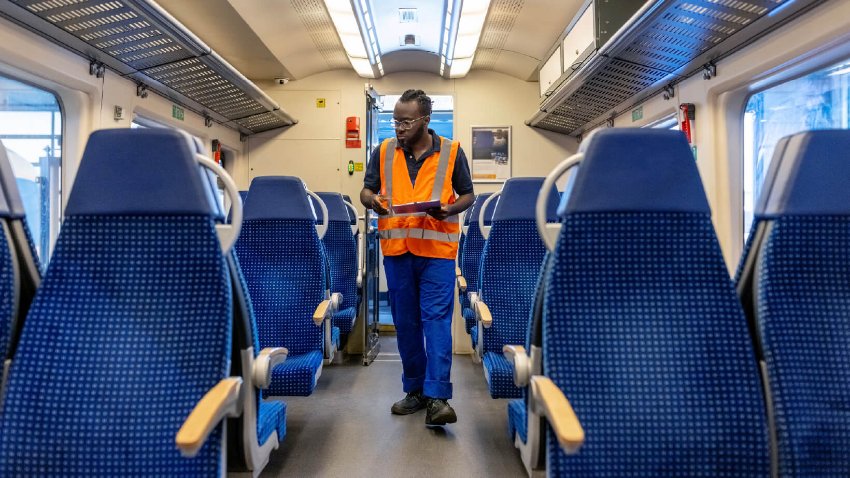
(227, 233)
(485, 230)
(548, 237)
(355, 227)
(323, 228)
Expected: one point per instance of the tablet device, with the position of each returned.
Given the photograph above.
(412, 207)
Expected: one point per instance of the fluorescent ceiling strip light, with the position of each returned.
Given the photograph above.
(450, 25)
(460, 67)
(350, 23)
(462, 51)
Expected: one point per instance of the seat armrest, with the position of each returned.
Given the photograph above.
(517, 355)
(266, 361)
(327, 308)
(322, 312)
(482, 314)
(461, 284)
(336, 301)
(219, 402)
(550, 402)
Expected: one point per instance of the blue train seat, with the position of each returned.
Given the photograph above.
(283, 262)
(794, 282)
(469, 257)
(262, 425)
(510, 265)
(642, 330)
(341, 247)
(20, 269)
(127, 342)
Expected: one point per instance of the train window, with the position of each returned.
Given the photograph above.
(442, 116)
(819, 100)
(670, 122)
(31, 131)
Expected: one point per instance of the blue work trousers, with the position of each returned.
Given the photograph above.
(421, 293)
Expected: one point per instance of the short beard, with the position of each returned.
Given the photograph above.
(413, 139)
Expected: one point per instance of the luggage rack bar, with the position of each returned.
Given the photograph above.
(663, 43)
(141, 41)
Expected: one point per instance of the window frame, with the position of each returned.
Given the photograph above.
(792, 71)
(8, 72)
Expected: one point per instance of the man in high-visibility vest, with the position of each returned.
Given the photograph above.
(420, 249)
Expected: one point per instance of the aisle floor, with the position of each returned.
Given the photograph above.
(345, 428)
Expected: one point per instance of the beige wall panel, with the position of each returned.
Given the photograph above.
(313, 122)
(314, 161)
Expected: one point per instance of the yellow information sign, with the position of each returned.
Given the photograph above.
(320, 102)
(358, 166)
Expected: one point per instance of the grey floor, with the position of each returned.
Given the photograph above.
(345, 428)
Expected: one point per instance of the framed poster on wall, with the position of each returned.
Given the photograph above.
(491, 153)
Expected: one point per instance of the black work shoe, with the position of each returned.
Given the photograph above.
(439, 412)
(412, 403)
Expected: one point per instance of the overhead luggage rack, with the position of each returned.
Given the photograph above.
(663, 43)
(141, 41)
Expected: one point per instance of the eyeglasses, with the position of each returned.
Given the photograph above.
(406, 124)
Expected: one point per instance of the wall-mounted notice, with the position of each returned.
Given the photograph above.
(320, 102)
(637, 114)
(177, 112)
(491, 153)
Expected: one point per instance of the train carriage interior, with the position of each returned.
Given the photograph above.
(576, 238)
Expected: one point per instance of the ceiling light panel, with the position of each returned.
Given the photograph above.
(472, 16)
(346, 26)
(348, 19)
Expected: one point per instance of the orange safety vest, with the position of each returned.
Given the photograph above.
(418, 233)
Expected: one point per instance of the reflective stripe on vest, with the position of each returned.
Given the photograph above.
(396, 229)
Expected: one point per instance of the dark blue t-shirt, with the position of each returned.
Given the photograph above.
(461, 178)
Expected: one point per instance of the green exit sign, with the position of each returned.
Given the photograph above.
(177, 112)
(637, 114)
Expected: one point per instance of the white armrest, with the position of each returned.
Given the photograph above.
(268, 359)
(482, 314)
(219, 402)
(461, 285)
(550, 402)
(327, 308)
(517, 355)
(336, 301)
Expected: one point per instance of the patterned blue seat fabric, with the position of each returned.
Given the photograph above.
(794, 281)
(131, 325)
(518, 409)
(271, 415)
(341, 248)
(283, 262)
(16, 245)
(470, 254)
(642, 329)
(510, 267)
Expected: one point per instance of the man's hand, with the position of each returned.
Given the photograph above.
(377, 205)
(373, 201)
(440, 213)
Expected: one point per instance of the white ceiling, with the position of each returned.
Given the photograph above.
(390, 30)
(296, 38)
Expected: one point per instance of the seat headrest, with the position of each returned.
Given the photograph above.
(808, 175)
(139, 172)
(519, 199)
(475, 210)
(11, 205)
(277, 197)
(337, 210)
(637, 170)
(347, 198)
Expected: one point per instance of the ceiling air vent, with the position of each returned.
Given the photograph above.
(408, 40)
(408, 15)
